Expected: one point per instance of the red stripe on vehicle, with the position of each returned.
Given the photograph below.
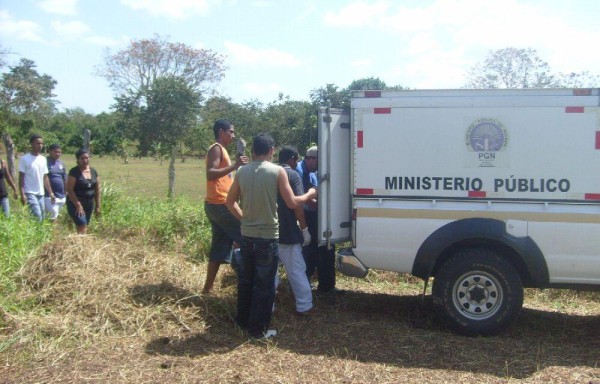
(582, 92)
(477, 193)
(364, 191)
(359, 139)
(597, 139)
(372, 93)
(574, 109)
(592, 196)
(381, 111)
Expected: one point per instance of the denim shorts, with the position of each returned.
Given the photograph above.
(88, 208)
(225, 230)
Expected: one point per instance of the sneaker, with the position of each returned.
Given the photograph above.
(265, 336)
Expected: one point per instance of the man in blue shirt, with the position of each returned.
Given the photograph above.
(316, 258)
(57, 176)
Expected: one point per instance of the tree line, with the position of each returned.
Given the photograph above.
(164, 100)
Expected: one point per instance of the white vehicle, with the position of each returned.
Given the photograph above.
(486, 191)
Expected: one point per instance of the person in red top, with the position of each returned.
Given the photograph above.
(225, 227)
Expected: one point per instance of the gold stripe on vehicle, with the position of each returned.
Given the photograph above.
(555, 217)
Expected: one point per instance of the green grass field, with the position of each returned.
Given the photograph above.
(145, 177)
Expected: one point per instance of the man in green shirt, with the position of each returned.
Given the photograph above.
(257, 185)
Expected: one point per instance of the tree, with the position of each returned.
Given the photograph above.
(3, 54)
(331, 95)
(24, 91)
(68, 127)
(133, 70)
(512, 68)
(246, 117)
(133, 73)
(171, 111)
(290, 122)
(367, 84)
(578, 80)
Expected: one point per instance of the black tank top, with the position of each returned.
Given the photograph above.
(3, 192)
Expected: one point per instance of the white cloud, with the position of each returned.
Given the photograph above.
(262, 4)
(432, 69)
(105, 41)
(361, 63)
(308, 12)
(270, 57)
(357, 14)
(172, 9)
(471, 28)
(77, 30)
(61, 7)
(71, 29)
(19, 29)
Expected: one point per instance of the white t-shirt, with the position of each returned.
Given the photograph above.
(34, 168)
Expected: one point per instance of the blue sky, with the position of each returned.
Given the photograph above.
(293, 46)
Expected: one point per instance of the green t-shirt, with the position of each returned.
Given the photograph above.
(258, 185)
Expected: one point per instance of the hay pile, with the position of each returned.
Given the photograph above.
(98, 287)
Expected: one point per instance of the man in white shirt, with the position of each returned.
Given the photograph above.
(33, 178)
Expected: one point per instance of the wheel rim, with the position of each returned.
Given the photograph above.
(477, 295)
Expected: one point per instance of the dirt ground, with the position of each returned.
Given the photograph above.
(125, 313)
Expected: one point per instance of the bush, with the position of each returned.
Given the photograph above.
(179, 224)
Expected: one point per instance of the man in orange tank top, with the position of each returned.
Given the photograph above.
(219, 175)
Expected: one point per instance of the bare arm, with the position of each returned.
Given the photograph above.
(299, 213)
(22, 187)
(71, 195)
(288, 195)
(213, 172)
(97, 196)
(48, 188)
(65, 180)
(232, 198)
(9, 179)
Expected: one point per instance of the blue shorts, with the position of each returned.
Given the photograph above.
(88, 208)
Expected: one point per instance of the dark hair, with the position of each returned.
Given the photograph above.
(80, 152)
(52, 147)
(286, 153)
(262, 144)
(33, 138)
(221, 124)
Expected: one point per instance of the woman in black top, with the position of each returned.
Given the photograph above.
(83, 189)
(5, 174)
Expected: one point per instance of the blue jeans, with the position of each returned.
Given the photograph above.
(256, 284)
(5, 206)
(36, 205)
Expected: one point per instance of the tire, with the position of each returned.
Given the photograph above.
(477, 292)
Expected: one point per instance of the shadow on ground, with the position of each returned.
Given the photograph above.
(401, 331)
(220, 336)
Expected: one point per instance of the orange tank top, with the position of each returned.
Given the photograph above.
(216, 190)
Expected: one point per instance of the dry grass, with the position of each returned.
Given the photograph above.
(121, 312)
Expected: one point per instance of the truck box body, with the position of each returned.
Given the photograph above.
(412, 176)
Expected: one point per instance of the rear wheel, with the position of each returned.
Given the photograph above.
(477, 292)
